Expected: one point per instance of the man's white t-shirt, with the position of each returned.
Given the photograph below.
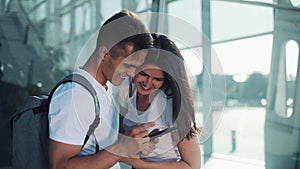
(159, 111)
(72, 111)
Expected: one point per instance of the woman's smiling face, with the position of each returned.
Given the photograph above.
(148, 78)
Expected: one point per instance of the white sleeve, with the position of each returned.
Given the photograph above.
(71, 112)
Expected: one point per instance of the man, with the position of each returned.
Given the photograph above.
(119, 51)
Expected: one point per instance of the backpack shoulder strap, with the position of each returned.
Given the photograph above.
(77, 78)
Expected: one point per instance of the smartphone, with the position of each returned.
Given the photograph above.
(157, 132)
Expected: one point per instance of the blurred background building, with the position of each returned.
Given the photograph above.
(243, 56)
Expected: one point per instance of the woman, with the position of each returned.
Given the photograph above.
(160, 92)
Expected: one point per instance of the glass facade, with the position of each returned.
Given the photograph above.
(242, 58)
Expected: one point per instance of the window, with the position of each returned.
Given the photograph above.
(40, 12)
(295, 3)
(246, 65)
(287, 79)
(83, 18)
(234, 20)
(65, 2)
(65, 27)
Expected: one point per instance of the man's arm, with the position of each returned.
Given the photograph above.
(190, 158)
(64, 156)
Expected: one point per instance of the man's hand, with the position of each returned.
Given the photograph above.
(137, 141)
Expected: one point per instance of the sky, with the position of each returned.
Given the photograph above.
(244, 57)
(228, 21)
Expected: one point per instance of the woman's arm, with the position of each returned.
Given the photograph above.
(190, 158)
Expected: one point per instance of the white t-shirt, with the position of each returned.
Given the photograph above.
(72, 111)
(159, 111)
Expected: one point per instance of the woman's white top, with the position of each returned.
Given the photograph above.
(159, 111)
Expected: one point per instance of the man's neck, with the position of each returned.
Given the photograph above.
(93, 67)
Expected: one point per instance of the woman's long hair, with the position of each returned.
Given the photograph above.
(167, 56)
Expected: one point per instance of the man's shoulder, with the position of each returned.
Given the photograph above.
(68, 88)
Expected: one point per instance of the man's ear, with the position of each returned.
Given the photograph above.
(103, 51)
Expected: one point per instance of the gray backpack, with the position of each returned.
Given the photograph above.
(30, 126)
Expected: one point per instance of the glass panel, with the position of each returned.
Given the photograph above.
(94, 15)
(50, 39)
(280, 101)
(295, 3)
(65, 2)
(65, 27)
(246, 56)
(266, 1)
(83, 18)
(35, 2)
(246, 66)
(233, 20)
(287, 80)
(292, 53)
(190, 33)
(78, 20)
(87, 16)
(108, 8)
(26, 5)
(40, 12)
(52, 6)
(193, 59)
(143, 5)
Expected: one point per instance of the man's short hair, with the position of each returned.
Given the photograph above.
(123, 28)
